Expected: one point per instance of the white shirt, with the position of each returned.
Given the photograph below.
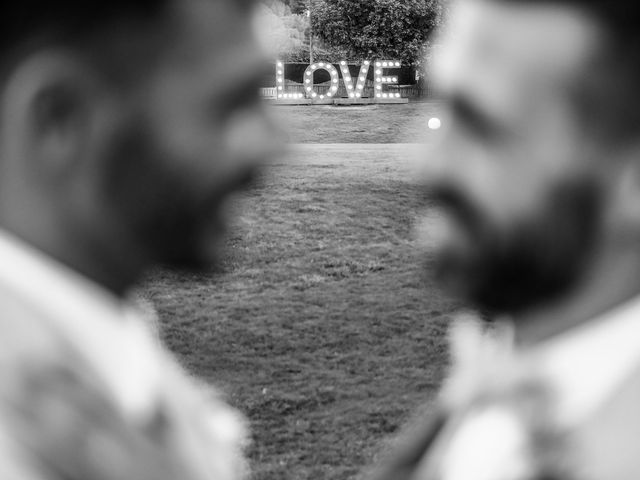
(110, 334)
(582, 368)
(118, 344)
(586, 365)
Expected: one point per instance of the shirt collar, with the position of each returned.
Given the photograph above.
(587, 364)
(582, 368)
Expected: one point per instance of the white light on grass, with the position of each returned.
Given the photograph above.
(434, 123)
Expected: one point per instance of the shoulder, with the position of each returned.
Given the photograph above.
(44, 392)
(26, 337)
(607, 443)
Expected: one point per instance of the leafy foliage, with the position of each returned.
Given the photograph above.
(366, 29)
(282, 31)
(297, 6)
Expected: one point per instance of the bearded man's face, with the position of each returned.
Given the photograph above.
(520, 187)
(190, 133)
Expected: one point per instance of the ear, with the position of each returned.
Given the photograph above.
(626, 199)
(46, 113)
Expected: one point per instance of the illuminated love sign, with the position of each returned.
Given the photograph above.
(354, 91)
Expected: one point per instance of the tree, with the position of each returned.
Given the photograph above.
(297, 6)
(282, 31)
(367, 29)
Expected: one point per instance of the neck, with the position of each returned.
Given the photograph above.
(90, 252)
(614, 279)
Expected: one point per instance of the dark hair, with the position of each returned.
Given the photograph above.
(28, 25)
(608, 97)
(66, 20)
(621, 16)
(112, 33)
(70, 19)
(612, 103)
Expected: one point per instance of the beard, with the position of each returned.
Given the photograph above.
(539, 259)
(165, 208)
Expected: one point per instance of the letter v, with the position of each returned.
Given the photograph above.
(356, 91)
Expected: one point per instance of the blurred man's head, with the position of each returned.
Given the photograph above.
(124, 127)
(541, 136)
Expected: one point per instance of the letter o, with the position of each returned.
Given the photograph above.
(330, 69)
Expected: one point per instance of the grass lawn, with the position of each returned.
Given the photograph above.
(321, 329)
(357, 124)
